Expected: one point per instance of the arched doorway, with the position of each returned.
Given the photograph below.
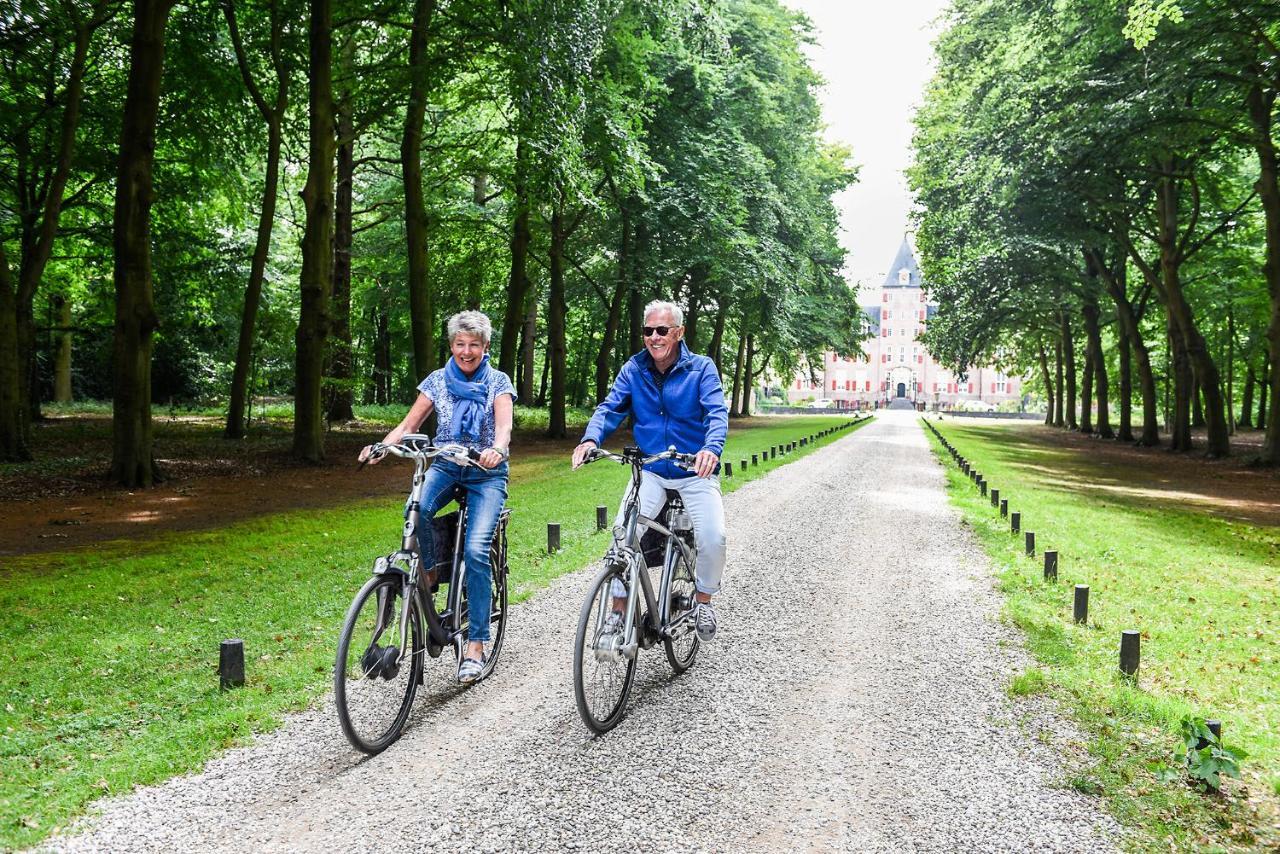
(902, 389)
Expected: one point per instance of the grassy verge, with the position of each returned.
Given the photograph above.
(1202, 591)
(109, 677)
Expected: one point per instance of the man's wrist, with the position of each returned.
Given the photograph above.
(505, 453)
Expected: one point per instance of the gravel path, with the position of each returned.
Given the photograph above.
(879, 723)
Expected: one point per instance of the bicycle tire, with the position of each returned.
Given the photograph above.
(497, 619)
(601, 716)
(358, 684)
(682, 650)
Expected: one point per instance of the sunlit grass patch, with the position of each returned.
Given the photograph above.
(1201, 589)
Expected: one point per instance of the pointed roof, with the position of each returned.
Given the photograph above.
(904, 260)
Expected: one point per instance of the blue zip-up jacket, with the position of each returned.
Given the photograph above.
(685, 408)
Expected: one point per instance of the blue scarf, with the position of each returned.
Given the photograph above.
(469, 399)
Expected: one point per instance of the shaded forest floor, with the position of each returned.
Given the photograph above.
(1231, 488)
(63, 498)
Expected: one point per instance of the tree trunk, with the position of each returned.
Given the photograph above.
(1125, 433)
(316, 280)
(518, 283)
(717, 334)
(697, 288)
(274, 117)
(734, 410)
(604, 358)
(1099, 364)
(1048, 385)
(1059, 403)
(1197, 411)
(1246, 407)
(1264, 388)
(747, 376)
(132, 461)
(421, 299)
(1219, 441)
(636, 303)
(1180, 367)
(1261, 105)
(479, 198)
(528, 349)
(62, 359)
(542, 386)
(1086, 392)
(1069, 365)
(13, 410)
(338, 388)
(381, 357)
(557, 311)
(1117, 286)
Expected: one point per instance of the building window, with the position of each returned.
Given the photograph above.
(868, 385)
(970, 388)
(884, 296)
(833, 385)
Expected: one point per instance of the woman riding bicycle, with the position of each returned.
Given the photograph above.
(473, 403)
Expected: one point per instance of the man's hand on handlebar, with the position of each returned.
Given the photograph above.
(704, 464)
(580, 453)
(368, 456)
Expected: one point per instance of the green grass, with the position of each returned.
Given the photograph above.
(1202, 590)
(109, 676)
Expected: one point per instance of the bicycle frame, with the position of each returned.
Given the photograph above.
(626, 547)
(443, 628)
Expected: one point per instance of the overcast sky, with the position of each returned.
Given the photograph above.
(876, 59)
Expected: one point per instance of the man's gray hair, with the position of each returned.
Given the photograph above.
(677, 313)
(472, 323)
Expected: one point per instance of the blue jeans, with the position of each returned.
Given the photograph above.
(486, 493)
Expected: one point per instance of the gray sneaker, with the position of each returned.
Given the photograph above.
(704, 620)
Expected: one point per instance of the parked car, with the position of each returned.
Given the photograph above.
(822, 403)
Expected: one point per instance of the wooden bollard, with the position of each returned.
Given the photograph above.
(553, 537)
(231, 663)
(773, 451)
(728, 470)
(1215, 727)
(1004, 508)
(602, 516)
(1031, 543)
(1130, 652)
(1050, 566)
(755, 459)
(742, 465)
(1015, 522)
(995, 498)
(1080, 608)
(982, 488)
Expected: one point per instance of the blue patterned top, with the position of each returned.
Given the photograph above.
(436, 388)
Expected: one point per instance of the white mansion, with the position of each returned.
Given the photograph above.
(897, 365)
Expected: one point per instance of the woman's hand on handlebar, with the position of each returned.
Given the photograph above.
(581, 452)
(490, 458)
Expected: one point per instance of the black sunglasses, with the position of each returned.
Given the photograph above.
(660, 331)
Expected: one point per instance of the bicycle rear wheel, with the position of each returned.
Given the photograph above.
(373, 683)
(681, 648)
(497, 619)
(602, 678)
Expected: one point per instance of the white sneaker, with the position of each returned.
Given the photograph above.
(704, 620)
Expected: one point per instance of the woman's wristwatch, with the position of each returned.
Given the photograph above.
(505, 453)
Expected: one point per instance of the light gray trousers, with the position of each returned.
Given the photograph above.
(701, 496)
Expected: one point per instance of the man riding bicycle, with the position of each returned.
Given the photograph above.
(674, 398)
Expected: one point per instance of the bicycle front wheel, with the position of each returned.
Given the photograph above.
(682, 646)
(602, 675)
(374, 681)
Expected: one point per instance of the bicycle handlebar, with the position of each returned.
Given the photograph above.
(415, 446)
(632, 456)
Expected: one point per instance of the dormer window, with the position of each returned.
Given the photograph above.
(904, 276)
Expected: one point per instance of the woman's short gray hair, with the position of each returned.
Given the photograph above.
(471, 323)
(677, 313)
